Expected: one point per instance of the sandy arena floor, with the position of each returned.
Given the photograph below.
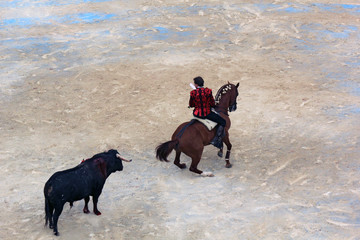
(83, 76)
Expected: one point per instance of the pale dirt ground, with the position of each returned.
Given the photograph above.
(295, 134)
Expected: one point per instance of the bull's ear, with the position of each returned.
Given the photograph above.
(237, 85)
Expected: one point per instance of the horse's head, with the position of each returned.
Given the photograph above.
(233, 96)
(226, 96)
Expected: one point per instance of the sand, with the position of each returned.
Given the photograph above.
(81, 77)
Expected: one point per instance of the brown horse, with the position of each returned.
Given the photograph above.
(191, 137)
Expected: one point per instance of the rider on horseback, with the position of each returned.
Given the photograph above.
(202, 100)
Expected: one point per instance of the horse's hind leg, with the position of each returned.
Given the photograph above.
(177, 160)
(228, 146)
(194, 163)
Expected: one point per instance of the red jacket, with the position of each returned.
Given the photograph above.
(202, 99)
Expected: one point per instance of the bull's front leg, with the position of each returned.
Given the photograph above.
(95, 201)
(86, 208)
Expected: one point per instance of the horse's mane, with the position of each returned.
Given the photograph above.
(222, 91)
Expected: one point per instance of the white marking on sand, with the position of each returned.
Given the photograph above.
(270, 173)
(341, 224)
(297, 179)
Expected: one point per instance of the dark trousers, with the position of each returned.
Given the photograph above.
(216, 118)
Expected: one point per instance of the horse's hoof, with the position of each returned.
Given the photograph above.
(181, 165)
(220, 154)
(228, 165)
(207, 174)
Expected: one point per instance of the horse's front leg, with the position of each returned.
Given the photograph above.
(228, 146)
(220, 152)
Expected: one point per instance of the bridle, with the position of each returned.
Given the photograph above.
(233, 106)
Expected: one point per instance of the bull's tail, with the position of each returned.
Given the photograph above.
(49, 207)
(47, 211)
(164, 149)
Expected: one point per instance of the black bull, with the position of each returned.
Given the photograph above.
(85, 180)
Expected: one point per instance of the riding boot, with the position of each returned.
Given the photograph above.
(217, 141)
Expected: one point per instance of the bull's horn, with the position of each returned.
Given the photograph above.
(123, 159)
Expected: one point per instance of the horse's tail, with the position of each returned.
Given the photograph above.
(164, 149)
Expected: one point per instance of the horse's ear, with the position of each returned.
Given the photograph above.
(237, 85)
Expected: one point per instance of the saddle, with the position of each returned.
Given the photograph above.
(208, 123)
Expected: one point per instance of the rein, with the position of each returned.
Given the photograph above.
(218, 110)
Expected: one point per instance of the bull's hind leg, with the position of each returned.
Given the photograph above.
(228, 146)
(58, 210)
(86, 208)
(177, 160)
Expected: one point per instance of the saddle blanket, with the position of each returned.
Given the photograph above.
(208, 123)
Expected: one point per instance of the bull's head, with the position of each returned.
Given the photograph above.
(113, 163)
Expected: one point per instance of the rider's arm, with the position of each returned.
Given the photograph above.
(211, 99)
(191, 101)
